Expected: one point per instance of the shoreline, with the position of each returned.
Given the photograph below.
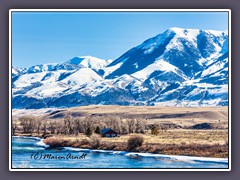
(198, 150)
(136, 154)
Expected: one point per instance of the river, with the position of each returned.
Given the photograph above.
(30, 152)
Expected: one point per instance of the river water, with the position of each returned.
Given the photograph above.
(32, 153)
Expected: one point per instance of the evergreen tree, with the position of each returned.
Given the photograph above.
(89, 132)
(97, 130)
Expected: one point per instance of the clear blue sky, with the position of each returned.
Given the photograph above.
(53, 37)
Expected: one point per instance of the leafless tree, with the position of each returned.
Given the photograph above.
(88, 122)
(58, 127)
(44, 128)
(125, 128)
(77, 126)
(28, 123)
(14, 127)
(68, 124)
(140, 125)
(38, 125)
(131, 125)
(52, 127)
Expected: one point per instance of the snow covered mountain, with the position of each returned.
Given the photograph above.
(88, 62)
(180, 67)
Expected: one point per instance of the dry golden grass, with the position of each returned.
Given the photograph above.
(145, 109)
(183, 116)
(176, 136)
(207, 143)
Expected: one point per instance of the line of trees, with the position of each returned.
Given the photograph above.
(86, 125)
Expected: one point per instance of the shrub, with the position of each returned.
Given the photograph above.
(89, 132)
(155, 130)
(107, 146)
(95, 140)
(154, 149)
(54, 142)
(135, 142)
(84, 142)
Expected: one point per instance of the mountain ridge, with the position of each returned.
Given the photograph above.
(179, 67)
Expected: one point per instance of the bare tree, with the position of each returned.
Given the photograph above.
(68, 125)
(28, 123)
(87, 123)
(113, 123)
(131, 125)
(58, 127)
(77, 126)
(141, 125)
(44, 128)
(38, 125)
(14, 127)
(125, 128)
(52, 127)
(119, 123)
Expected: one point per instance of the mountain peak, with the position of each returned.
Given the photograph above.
(88, 62)
(78, 59)
(177, 67)
(184, 32)
(175, 29)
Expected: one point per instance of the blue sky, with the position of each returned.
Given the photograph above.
(53, 37)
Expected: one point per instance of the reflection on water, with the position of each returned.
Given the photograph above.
(27, 153)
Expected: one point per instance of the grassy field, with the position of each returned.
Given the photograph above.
(176, 136)
(205, 143)
(183, 116)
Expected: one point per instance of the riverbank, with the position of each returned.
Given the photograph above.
(201, 131)
(213, 150)
(204, 143)
(24, 147)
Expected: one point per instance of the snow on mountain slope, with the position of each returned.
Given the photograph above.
(47, 84)
(82, 76)
(16, 71)
(190, 35)
(88, 62)
(215, 67)
(109, 69)
(47, 90)
(180, 67)
(41, 68)
(158, 65)
(28, 79)
(182, 48)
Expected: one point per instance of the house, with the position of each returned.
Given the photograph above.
(108, 132)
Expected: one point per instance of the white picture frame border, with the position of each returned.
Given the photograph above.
(117, 10)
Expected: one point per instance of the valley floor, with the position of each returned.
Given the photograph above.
(186, 140)
(201, 143)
